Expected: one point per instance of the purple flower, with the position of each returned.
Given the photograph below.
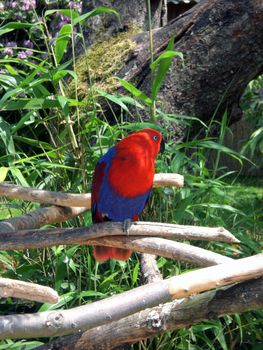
(12, 4)
(11, 44)
(62, 23)
(22, 54)
(29, 52)
(75, 5)
(28, 43)
(8, 51)
(28, 5)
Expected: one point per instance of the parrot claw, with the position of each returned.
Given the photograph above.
(126, 226)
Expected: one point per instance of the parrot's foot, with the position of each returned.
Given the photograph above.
(126, 226)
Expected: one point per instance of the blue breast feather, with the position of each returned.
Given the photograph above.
(112, 205)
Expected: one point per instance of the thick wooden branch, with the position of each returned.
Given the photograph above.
(50, 237)
(40, 217)
(166, 248)
(63, 322)
(26, 290)
(73, 199)
(237, 298)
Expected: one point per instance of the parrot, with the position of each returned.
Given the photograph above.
(122, 183)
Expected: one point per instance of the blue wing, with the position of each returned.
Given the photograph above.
(107, 205)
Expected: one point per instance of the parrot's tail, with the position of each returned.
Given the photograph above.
(105, 253)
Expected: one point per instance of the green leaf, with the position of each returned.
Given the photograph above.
(16, 173)
(65, 12)
(27, 119)
(11, 70)
(214, 145)
(135, 273)
(108, 279)
(3, 173)
(91, 293)
(62, 40)
(64, 299)
(160, 67)
(8, 94)
(31, 77)
(63, 101)
(58, 75)
(135, 92)
(33, 142)
(6, 137)
(30, 103)
(220, 206)
(8, 80)
(164, 56)
(95, 12)
(9, 27)
(113, 98)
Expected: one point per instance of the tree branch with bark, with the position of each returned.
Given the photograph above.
(63, 322)
(74, 199)
(170, 316)
(29, 291)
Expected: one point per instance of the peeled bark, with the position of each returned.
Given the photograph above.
(81, 318)
(166, 317)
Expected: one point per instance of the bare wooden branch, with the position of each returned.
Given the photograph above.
(166, 248)
(45, 238)
(45, 197)
(73, 199)
(149, 269)
(164, 179)
(237, 298)
(216, 276)
(39, 217)
(63, 322)
(26, 290)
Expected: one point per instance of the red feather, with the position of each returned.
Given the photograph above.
(128, 170)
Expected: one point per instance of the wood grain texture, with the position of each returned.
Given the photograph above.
(64, 322)
(210, 305)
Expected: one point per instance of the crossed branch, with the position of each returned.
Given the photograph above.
(145, 237)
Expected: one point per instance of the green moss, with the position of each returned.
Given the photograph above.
(102, 61)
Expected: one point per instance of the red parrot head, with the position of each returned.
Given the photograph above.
(149, 140)
(132, 168)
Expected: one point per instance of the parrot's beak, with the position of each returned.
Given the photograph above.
(162, 146)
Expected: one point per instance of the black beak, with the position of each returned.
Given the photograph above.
(162, 146)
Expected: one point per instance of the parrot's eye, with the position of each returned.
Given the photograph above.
(155, 138)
